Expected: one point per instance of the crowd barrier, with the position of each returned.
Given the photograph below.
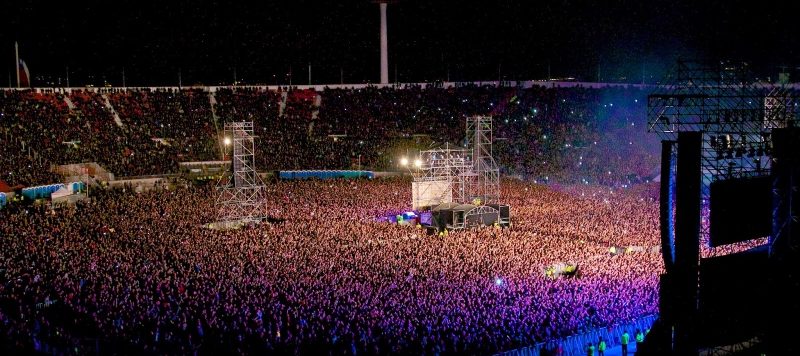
(325, 174)
(576, 345)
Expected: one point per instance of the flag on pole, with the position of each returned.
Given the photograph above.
(24, 74)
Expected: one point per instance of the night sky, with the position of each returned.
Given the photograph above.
(428, 40)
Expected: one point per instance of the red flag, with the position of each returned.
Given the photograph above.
(24, 74)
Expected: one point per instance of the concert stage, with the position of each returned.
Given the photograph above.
(456, 187)
(452, 216)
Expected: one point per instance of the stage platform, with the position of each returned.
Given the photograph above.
(452, 216)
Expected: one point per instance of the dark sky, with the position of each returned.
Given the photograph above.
(470, 40)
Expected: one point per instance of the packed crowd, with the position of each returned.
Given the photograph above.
(141, 274)
(568, 135)
(27, 140)
(155, 131)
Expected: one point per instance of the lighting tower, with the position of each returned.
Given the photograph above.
(241, 191)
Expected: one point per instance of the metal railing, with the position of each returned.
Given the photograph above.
(575, 345)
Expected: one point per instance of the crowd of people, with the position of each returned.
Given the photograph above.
(133, 272)
(567, 135)
(138, 272)
(27, 140)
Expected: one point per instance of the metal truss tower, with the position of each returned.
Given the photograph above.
(484, 178)
(241, 191)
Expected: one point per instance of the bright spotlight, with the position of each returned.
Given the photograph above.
(227, 141)
(498, 281)
(418, 163)
(404, 161)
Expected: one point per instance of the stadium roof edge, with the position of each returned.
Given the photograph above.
(321, 87)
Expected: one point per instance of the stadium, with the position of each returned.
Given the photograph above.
(457, 210)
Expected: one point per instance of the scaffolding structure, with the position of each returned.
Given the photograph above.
(725, 119)
(462, 185)
(780, 108)
(484, 178)
(241, 190)
(731, 109)
(441, 177)
(727, 106)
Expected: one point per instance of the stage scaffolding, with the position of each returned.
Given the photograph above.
(442, 177)
(734, 113)
(725, 118)
(461, 186)
(241, 191)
